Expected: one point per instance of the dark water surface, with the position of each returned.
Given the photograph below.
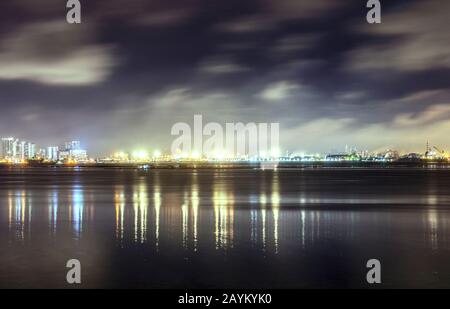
(225, 228)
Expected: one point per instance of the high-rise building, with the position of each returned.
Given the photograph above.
(73, 145)
(64, 156)
(25, 151)
(73, 151)
(20, 151)
(41, 153)
(79, 155)
(14, 150)
(52, 153)
(9, 148)
(31, 151)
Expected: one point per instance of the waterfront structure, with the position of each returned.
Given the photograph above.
(28, 150)
(73, 145)
(9, 148)
(53, 153)
(14, 150)
(41, 153)
(25, 151)
(78, 155)
(73, 152)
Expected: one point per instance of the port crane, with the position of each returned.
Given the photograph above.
(442, 152)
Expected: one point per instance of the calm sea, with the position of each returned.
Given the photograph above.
(225, 228)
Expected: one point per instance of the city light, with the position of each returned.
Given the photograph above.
(195, 155)
(275, 153)
(140, 155)
(156, 154)
(120, 156)
(220, 155)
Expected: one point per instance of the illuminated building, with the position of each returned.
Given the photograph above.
(41, 153)
(29, 150)
(64, 156)
(73, 145)
(9, 148)
(17, 151)
(73, 151)
(20, 151)
(25, 151)
(391, 155)
(140, 156)
(52, 153)
(120, 156)
(78, 155)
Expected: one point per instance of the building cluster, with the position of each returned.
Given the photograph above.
(351, 154)
(388, 155)
(14, 150)
(71, 152)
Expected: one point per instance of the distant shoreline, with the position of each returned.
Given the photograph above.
(237, 165)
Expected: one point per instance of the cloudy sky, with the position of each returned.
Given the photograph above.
(133, 68)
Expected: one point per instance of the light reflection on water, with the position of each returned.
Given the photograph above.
(223, 203)
(53, 210)
(19, 214)
(119, 204)
(191, 207)
(76, 210)
(274, 213)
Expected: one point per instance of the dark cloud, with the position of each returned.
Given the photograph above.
(133, 68)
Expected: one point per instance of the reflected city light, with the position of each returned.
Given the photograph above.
(195, 201)
(204, 215)
(119, 205)
(254, 226)
(303, 225)
(10, 209)
(77, 210)
(263, 205)
(275, 208)
(53, 210)
(140, 206)
(19, 213)
(185, 227)
(432, 220)
(157, 204)
(223, 203)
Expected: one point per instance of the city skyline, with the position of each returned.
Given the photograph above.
(125, 76)
(300, 150)
(19, 151)
(15, 150)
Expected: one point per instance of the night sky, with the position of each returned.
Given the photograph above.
(133, 68)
